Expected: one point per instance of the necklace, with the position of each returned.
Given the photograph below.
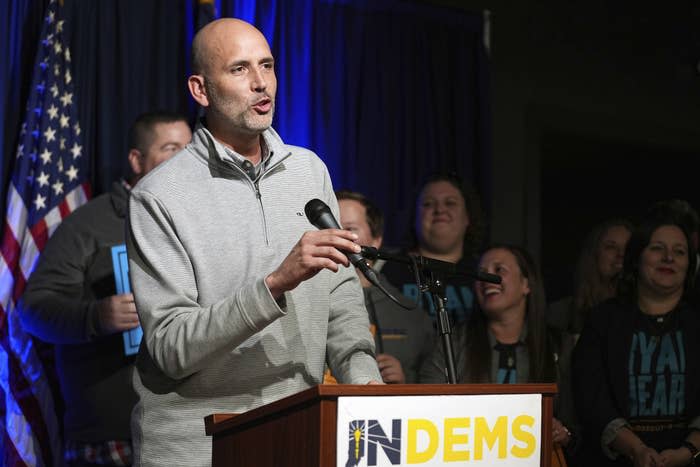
(656, 326)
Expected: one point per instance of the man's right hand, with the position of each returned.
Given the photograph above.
(117, 313)
(316, 250)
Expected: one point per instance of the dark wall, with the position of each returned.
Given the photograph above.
(586, 94)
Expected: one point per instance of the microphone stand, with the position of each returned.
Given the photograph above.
(437, 292)
(428, 272)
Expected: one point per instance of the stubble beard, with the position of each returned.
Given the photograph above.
(252, 122)
(239, 114)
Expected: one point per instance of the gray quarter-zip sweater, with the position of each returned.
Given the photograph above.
(202, 238)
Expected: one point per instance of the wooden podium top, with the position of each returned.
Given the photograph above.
(218, 422)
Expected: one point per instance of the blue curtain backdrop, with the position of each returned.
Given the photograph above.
(385, 91)
(20, 26)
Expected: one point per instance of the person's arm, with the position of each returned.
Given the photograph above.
(180, 335)
(350, 344)
(57, 305)
(591, 389)
(629, 445)
(566, 430)
(683, 455)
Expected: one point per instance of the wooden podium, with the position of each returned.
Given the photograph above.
(300, 430)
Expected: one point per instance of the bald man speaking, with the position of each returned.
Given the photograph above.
(241, 300)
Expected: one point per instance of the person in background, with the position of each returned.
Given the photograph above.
(71, 301)
(448, 226)
(241, 300)
(595, 277)
(403, 337)
(687, 216)
(506, 340)
(636, 366)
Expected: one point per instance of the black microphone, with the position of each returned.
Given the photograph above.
(436, 265)
(320, 215)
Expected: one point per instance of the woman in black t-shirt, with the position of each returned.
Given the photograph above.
(637, 363)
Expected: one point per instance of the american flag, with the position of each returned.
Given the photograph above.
(49, 181)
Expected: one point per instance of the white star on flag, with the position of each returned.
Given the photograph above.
(50, 134)
(57, 187)
(77, 150)
(67, 99)
(40, 201)
(53, 110)
(45, 156)
(43, 179)
(72, 173)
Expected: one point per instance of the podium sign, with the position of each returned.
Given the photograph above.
(443, 430)
(487, 425)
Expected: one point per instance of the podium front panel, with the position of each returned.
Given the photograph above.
(303, 430)
(439, 431)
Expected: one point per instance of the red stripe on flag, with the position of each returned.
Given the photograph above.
(40, 233)
(87, 188)
(10, 248)
(23, 395)
(64, 209)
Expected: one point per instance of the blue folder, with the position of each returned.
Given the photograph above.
(120, 262)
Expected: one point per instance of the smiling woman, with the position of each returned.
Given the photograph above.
(506, 340)
(637, 359)
(447, 225)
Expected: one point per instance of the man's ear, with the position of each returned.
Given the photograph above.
(195, 83)
(136, 162)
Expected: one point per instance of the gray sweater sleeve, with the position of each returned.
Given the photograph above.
(181, 336)
(350, 345)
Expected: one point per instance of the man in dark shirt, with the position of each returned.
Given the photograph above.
(71, 301)
(404, 338)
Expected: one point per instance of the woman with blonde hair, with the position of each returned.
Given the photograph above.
(595, 277)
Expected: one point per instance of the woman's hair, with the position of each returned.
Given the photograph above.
(478, 361)
(589, 287)
(474, 236)
(639, 240)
